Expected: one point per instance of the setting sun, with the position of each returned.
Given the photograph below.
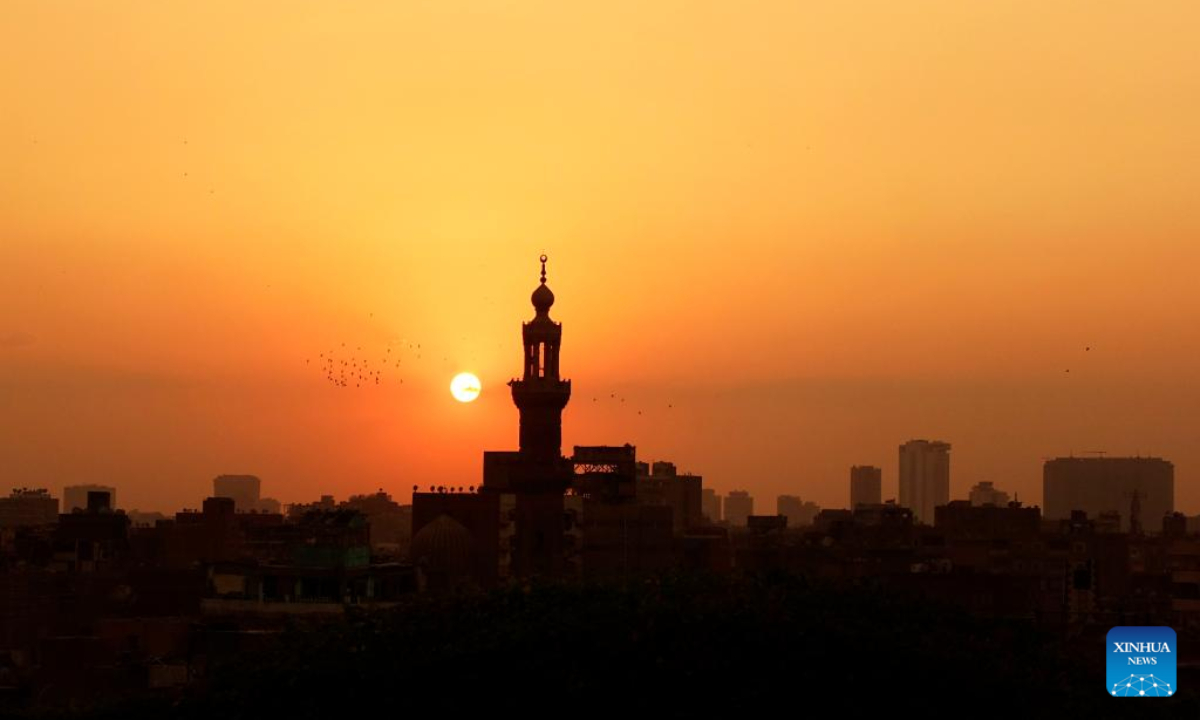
(465, 387)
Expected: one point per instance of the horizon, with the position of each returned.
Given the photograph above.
(854, 226)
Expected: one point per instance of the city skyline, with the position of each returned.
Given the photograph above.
(534, 358)
(824, 243)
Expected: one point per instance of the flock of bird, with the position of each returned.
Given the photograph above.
(621, 399)
(345, 367)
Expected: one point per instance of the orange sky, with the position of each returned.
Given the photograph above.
(815, 229)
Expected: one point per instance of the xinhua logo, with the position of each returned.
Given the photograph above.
(1141, 662)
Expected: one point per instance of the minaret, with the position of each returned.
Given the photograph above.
(540, 395)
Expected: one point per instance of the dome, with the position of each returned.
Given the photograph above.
(542, 298)
(443, 550)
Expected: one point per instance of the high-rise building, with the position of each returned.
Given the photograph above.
(243, 489)
(75, 496)
(866, 486)
(739, 506)
(798, 512)
(924, 477)
(1139, 490)
(985, 493)
(710, 504)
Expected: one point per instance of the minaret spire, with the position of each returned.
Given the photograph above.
(541, 393)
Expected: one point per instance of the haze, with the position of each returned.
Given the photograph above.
(814, 230)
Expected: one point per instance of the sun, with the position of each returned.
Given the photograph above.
(465, 387)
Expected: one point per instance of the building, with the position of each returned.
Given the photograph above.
(739, 506)
(962, 519)
(710, 505)
(621, 541)
(662, 485)
(1140, 490)
(28, 508)
(798, 512)
(243, 489)
(984, 493)
(75, 497)
(521, 500)
(866, 486)
(390, 522)
(924, 477)
(606, 472)
(94, 539)
(456, 538)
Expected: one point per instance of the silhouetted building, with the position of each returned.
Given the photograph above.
(138, 518)
(1175, 525)
(1116, 485)
(242, 489)
(798, 512)
(390, 522)
(739, 506)
(833, 521)
(710, 505)
(866, 485)
(886, 515)
(663, 486)
(625, 540)
(75, 496)
(482, 515)
(99, 501)
(605, 472)
(766, 523)
(523, 490)
(924, 477)
(984, 493)
(28, 508)
(91, 540)
(965, 519)
(540, 396)
(443, 555)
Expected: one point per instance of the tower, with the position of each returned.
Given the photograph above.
(866, 485)
(541, 394)
(924, 477)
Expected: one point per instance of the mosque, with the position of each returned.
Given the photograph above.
(538, 513)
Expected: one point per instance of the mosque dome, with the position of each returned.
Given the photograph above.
(442, 549)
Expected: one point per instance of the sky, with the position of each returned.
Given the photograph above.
(792, 235)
